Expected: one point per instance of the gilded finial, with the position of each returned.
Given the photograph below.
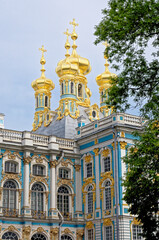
(67, 44)
(106, 44)
(42, 60)
(74, 36)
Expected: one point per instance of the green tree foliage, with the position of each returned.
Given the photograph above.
(142, 180)
(131, 27)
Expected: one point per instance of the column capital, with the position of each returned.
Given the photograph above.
(96, 151)
(53, 164)
(27, 160)
(123, 145)
(77, 167)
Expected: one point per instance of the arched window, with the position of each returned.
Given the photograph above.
(90, 199)
(62, 88)
(37, 200)
(72, 88)
(63, 200)
(94, 114)
(10, 236)
(63, 173)
(66, 237)
(106, 162)
(107, 196)
(9, 194)
(46, 101)
(10, 167)
(79, 90)
(38, 236)
(38, 170)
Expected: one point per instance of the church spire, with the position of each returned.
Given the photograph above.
(42, 87)
(74, 37)
(104, 82)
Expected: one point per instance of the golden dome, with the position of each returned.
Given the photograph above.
(43, 82)
(104, 78)
(74, 64)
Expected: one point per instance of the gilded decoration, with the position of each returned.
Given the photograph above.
(11, 156)
(105, 152)
(67, 182)
(79, 234)
(89, 225)
(122, 134)
(88, 158)
(67, 231)
(53, 164)
(123, 145)
(96, 141)
(39, 179)
(1, 189)
(26, 232)
(77, 167)
(12, 229)
(54, 233)
(107, 222)
(136, 221)
(96, 151)
(0, 228)
(20, 195)
(40, 229)
(11, 176)
(113, 145)
(65, 163)
(27, 160)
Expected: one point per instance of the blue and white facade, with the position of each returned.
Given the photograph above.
(63, 180)
(52, 185)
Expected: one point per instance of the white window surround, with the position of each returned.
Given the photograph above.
(87, 162)
(103, 157)
(90, 234)
(136, 230)
(17, 160)
(108, 232)
(65, 164)
(39, 160)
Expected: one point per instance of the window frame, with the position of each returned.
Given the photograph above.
(136, 227)
(36, 166)
(63, 201)
(63, 173)
(10, 163)
(92, 233)
(110, 237)
(88, 174)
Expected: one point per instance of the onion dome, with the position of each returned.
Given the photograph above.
(43, 82)
(82, 63)
(104, 78)
(65, 66)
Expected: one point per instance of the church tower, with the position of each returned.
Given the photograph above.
(42, 87)
(73, 83)
(104, 82)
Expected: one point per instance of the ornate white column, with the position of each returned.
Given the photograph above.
(97, 211)
(26, 207)
(53, 213)
(78, 213)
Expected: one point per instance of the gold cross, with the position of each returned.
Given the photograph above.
(74, 24)
(42, 50)
(106, 44)
(67, 33)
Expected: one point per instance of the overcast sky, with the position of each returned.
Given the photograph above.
(26, 25)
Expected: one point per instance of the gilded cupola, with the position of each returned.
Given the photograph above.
(104, 82)
(73, 83)
(42, 87)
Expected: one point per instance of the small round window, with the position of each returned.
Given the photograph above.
(94, 114)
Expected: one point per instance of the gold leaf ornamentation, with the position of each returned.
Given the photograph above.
(89, 225)
(77, 168)
(96, 151)
(79, 234)
(53, 164)
(105, 152)
(107, 222)
(27, 160)
(123, 145)
(88, 158)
